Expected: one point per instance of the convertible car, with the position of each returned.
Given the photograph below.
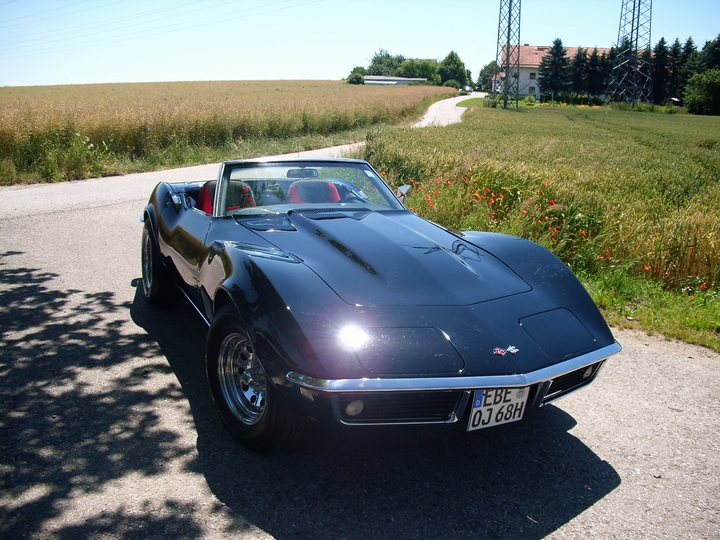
(327, 300)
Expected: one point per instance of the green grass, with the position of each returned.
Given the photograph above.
(630, 201)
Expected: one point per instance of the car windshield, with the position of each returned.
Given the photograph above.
(253, 188)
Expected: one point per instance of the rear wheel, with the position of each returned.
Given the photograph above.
(246, 399)
(157, 287)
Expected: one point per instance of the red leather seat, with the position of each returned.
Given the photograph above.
(312, 191)
(205, 200)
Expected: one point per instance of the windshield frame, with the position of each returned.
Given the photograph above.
(305, 170)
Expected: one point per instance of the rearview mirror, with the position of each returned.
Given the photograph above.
(302, 173)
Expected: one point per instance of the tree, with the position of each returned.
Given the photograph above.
(711, 54)
(689, 64)
(553, 70)
(422, 69)
(579, 67)
(486, 76)
(383, 63)
(702, 95)
(596, 81)
(675, 56)
(452, 68)
(661, 71)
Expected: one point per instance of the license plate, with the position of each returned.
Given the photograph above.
(495, 406)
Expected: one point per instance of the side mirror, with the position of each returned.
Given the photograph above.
(176, 202)
(402, 192)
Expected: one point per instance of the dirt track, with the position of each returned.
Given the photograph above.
(107, 429)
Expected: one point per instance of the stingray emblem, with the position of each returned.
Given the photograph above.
(502, 352)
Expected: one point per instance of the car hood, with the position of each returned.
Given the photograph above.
(390, 258)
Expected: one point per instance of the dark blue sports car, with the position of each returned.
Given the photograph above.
(328, 300)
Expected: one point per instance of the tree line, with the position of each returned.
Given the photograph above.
(679, 71)
(450, 71)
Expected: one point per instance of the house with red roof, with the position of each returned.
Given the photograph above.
(530, 58)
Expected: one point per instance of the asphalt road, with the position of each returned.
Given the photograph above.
(107, 429)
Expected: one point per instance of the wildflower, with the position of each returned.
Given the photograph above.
(704, 286)
(491, 201)
(553, 239)
(437, 191)
(648, 268)
(551, 202)
(583, 233)
(554, 230)
(411, 209)
(437, 180)
(492, 216)
(537, 192)
(488, 190)
(448, 183)
(500, 196)
(600, 256)
(506, 189)
(419, 189)
(478, 197)
(524, 212)
(539, 221)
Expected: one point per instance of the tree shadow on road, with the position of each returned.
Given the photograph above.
(520, 480)
(76, 409)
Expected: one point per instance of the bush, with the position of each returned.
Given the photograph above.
(452, 83)
(356, 78)
(702, 94)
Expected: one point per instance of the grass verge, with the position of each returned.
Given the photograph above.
(630, 201)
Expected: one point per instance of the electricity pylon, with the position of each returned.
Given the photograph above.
(631, 77)
(507, 54)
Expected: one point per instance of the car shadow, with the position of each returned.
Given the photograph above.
(524, 479)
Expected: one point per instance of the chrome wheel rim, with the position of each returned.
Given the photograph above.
(147, 268)
(242, 379)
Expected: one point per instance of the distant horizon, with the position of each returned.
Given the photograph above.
(69, 42)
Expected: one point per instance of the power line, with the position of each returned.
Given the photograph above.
(161, 30)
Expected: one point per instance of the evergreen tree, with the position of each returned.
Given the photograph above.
(553, 73)
(660, 71)
(596, 78)
(675, 57)
(579, 68)
(711, 54)
(689, 64)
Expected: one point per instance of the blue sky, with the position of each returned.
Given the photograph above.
(92, 41)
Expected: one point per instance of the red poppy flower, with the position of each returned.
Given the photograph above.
(478, 197)
(551, 202)
(704, 286)
(583, 233)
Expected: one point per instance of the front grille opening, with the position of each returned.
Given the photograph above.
(388, 408)
(572, 381)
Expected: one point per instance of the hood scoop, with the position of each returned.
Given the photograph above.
(331, 213)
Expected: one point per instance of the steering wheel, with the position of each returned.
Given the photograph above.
(350, 192)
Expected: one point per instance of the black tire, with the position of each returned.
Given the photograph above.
(248, 403)
(157, 286)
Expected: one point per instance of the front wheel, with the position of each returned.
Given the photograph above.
(157, 287)
(248, 404)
